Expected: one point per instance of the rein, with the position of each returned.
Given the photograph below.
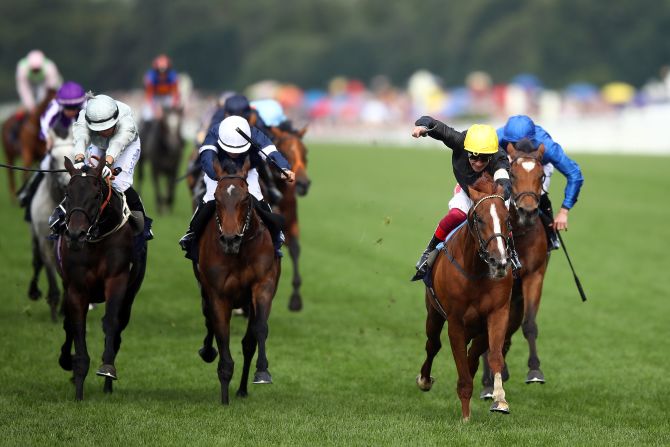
(103, 204)
(19, 168)
(247, 218)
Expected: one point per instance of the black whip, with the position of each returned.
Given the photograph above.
(258, 149)
(19, 168)
(579, 284)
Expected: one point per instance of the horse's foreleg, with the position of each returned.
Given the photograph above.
(497, 324)
(293, 243)
(76, 308)
(160, 201)
(115, 294)
(434, 325)
(207, 352)
(65, 359)
(262, 294)
(53, 296)
(532, 291)
(34, 291)
(249, 349)
(458, 342)
(221, 311)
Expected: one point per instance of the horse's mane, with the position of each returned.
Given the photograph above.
(485, 184)
(525, 145)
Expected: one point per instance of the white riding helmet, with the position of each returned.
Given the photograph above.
(229, 139)
(102, 112)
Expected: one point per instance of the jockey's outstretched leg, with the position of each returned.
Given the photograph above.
(448, 223)
(202, 215)
(547, 218)
(273, 221)
(135, 204)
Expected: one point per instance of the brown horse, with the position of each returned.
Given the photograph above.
(25, 142)
(290, 144)
(472, 283)
(237, 269)
(531, 243)
(100, 262)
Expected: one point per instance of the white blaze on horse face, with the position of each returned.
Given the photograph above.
(528, 165)
(230, 190)
(497, 229)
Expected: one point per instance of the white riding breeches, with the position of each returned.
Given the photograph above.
(548, 170)
(252, 181)
(126, 160)
(462, 201)
(148, 109)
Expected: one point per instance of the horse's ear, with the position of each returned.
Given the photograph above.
(301, 133)
(217, 169)
(511, 151)
(540, 152)
(474, 194)
(69, 166)
(246, 166)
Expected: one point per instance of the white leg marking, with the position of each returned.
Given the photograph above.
(230, 189)
(496, 229)
(498, 392)
(528, 165)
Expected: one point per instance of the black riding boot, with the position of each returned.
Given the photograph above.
(423, 264)
(135, 204)
(547, 217)
(57, 221)
(274, 195)
(274, 222)
(200, 218)
(27, 192)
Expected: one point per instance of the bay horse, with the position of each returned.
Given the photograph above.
(530, 240)
(102, 260)
(25, 142)
(471, 287)
(48, 195)
(163, 146)
(237, 269)
(290, 144)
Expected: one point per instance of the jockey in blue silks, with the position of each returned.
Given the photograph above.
(519, 127)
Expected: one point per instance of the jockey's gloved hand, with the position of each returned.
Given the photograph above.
(78, 161)
(426, 121)
(107, 170)
(507, 187)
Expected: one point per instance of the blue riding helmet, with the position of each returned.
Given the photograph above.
(237, 105)
(517, 128)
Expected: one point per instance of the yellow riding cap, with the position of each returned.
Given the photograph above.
(481, 139)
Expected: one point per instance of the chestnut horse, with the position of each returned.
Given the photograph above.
(25, 143)
(471, 287)
(237, 269)
(101, 261)
(291, 146)
(531, 244)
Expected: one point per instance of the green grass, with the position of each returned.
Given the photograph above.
(344, 368)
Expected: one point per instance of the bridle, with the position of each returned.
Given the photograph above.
(473, 225)
(533, 194)
(104, 201)
(247, 218)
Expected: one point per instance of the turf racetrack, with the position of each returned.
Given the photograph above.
(344, 368)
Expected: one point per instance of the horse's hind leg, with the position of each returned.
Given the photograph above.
(221, 311)
(34, 291)
(115, 294)
(249, 349)
(295, 303)
(65, 359)
(434, 325)
(532, 290)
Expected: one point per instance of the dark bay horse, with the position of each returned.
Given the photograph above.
(21, 138)
(162, 146)
(472, 284)
(100, 262)
(530, 240)
(237, 269)
(290, 144)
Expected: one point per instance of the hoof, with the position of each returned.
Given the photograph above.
(535, 376)
(34, 293)
(487, 393)
(500, 407)
(424, 385)
(107, 371)
(262, 377)
(295, 304)
(208, 354)
(241, 393)
(65, 361)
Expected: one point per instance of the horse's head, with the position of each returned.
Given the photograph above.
(291, 146)
(170, 126)
(527, 176)
(59, 152)
(85, 198)
(234, 205)
(488, 220)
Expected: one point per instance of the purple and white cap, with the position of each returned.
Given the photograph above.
(71, 94)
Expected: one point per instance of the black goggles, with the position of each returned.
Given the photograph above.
(474, 156)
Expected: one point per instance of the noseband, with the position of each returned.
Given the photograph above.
(482, 251)
(532, 194)
(103, 204)
(247, 218)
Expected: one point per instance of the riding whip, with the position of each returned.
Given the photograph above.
(258, 149)
(19, 168)
(579, 284)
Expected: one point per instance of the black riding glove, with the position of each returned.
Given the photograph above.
(426, 121)
(507, 187)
